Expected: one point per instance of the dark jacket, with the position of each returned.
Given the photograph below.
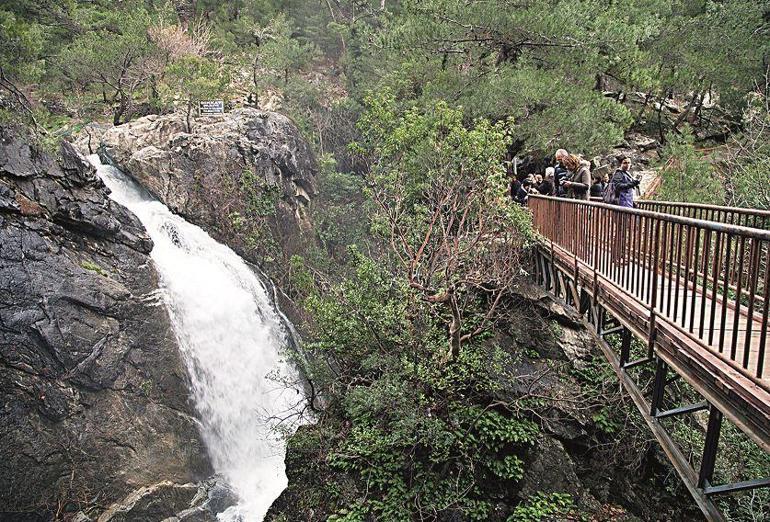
(546, 188)
(597, 190)
(624, 187)
(559, 173)
(518, 194)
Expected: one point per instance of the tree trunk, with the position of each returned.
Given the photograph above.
(686, 112)
(700, 102)
(154, 96)
(187, 119)
(660, 120)
(455, 327)
(21, 99)
(638, 118)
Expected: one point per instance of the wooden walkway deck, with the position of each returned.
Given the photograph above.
(696, 292)
(723, 330)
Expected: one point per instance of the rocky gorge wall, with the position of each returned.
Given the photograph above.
(246, 177)
(93, 393)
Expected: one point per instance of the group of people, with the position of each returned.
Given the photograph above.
(571, 177)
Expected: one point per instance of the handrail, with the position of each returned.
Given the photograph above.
(709, 278)
(683, 220)
(748, 217)
(737, 210)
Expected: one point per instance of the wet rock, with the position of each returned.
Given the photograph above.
(152, 503)
(93, 393)
(89, 138)
(171, 502)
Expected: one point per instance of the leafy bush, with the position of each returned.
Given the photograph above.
(542, 507)
(687, 173)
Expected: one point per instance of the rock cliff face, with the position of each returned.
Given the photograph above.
(93, 394)
(246, 176)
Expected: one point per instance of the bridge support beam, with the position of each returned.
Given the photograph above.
(625, 346)
(710, 448)
(610, 314)
(659, 387)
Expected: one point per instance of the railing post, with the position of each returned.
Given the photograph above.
(654, 297)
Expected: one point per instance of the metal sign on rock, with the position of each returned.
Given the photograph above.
(211, 107)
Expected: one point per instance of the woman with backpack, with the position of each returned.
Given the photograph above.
(620, 190)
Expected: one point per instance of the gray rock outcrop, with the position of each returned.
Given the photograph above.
(247, 176)
(93, 393)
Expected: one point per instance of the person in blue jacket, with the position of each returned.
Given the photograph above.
(623, 184)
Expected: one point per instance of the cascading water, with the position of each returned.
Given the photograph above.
(232, 340)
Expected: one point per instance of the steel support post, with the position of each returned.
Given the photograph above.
(710, 448)
(625, 346)
(659, 387)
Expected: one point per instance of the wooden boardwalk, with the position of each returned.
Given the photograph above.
(724, 330)
(696, 292)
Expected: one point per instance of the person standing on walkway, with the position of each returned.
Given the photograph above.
(578, 183)
(560, 172)
(597, 185)
(623, 185)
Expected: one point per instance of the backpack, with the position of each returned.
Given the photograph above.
(611, 195)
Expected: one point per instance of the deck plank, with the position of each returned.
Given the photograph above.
(675, 302)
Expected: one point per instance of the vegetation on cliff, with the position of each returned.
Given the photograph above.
(420, 254)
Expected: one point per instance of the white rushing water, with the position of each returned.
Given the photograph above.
(233, 343)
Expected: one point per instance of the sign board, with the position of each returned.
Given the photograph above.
(211, 107)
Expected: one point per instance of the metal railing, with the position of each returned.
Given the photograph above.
(745, 217)
(710, 278)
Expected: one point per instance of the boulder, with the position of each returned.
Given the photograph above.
(246, 176)
(93, 391)
(552, 470)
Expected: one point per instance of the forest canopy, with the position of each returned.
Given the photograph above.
(560, 69)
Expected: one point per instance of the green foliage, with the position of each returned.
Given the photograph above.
(114, 57)
(21, 44)
(340, 213)
(423, 436)
(439, 193)
(546, 63)
(541, 506)
(261, 197)
(281, 54)
(746, 165)
(687, 174)
(193, 79)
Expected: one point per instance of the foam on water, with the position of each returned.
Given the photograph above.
(233, 343)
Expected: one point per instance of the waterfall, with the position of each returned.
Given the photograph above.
(233, 342)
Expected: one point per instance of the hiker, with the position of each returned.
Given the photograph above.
(519, 192)
(560, 172)
(578, 183)
(597, 185)
(546, 186)
(620, 190)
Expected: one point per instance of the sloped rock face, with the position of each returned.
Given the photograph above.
(247, 176)
(93, 393)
